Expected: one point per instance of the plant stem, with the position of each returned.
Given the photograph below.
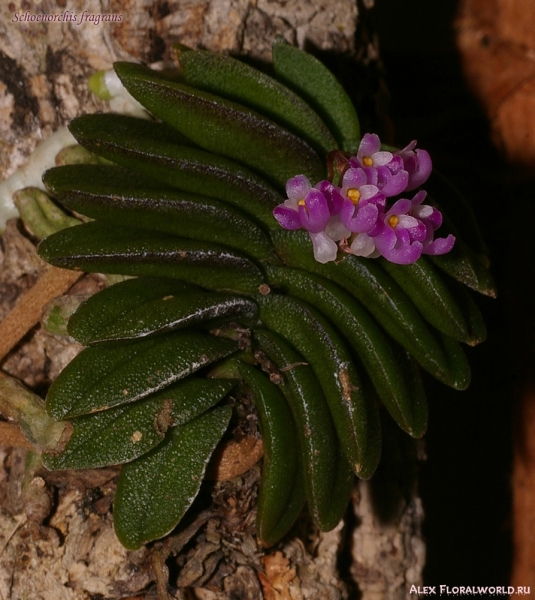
(27, 312)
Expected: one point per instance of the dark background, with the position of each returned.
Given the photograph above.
(465, 482)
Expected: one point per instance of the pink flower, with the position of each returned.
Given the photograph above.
(398, 237)
(362, 201)
(431, 218)
(356, 218)
(417, 163)
(383, 169)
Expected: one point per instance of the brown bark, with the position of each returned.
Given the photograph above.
(497, 43)
(56, 532)
(524, 494)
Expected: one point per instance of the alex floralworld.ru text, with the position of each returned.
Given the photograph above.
(474, 590)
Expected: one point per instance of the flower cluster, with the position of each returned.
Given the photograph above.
(356, 216)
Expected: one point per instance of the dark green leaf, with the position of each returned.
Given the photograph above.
(222, 126)
(123, 433)
(99, 248)
(141, 307)
(105, 308)
(155, 490)
(108, 375)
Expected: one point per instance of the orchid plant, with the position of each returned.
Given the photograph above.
(314, 307)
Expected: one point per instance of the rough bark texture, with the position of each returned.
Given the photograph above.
(44, 66)
(56, 532)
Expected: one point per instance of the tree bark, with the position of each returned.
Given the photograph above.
(56, 533)
(496, 40)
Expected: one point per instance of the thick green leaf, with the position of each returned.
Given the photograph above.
(237, 81)
(474, 319)
(467, 267)
(206, 309)
(311, 79)
(154, 313)
(155, 490)
(111, 374)
(100, 248)
(180, 213)
(111, 304)
(379, 294)
(181, 167)
(316, 436)
(429, 292)
(353, 409)
(40, 214)
(123, 433)
(458, 363)
(281, 468)
(148, 129)
(222, 126)
(386, 367)
(96, 177)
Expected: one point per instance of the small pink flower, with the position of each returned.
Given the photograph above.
(417, 163)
